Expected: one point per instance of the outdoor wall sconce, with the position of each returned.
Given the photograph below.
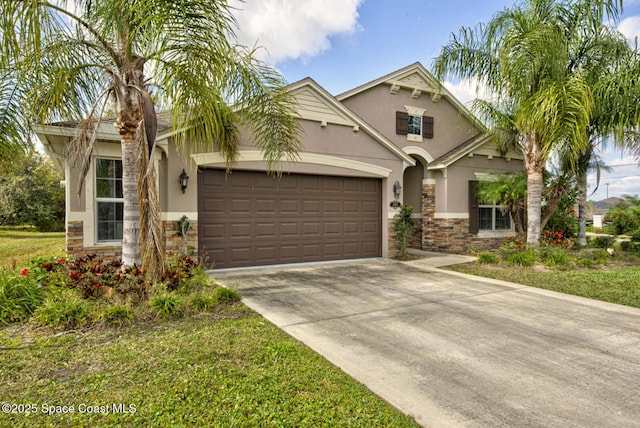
(184, 180)
(396, 194)
(396, 190)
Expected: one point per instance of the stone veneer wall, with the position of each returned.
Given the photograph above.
(173, 242)
(448, 235)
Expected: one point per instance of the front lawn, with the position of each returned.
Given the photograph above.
(591, 273)
(229, 368)
(18, 246)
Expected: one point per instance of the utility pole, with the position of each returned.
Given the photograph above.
(607, 189)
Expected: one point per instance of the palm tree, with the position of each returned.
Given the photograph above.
(522, 56)
(114, 54)
(610, 66)
(510, 191)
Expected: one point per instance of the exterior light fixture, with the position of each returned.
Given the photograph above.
(396, 189)
(184, 180)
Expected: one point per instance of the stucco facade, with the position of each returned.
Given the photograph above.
(357, 135)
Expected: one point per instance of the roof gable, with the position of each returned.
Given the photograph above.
(417, 79)
(481, 145)
(316, 104)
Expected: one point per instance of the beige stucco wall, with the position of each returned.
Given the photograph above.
(331, 149)
(378, 106)
(452, 190)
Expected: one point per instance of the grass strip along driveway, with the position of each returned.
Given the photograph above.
(615, 285)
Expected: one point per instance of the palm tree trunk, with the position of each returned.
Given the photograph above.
(131, 217)
(581, 178)
(534, 205)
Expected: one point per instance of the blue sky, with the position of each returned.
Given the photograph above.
(344, 43)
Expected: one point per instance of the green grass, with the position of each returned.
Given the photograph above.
(614, 284)
(222, 369)
(18, 246)
(193, 357)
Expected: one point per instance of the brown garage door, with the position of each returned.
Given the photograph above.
(251, 218)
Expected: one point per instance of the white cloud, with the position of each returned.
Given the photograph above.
(630, 27)
(292, 29)
(467, 90)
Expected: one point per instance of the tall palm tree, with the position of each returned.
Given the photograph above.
(74, 63)
(610, 66)
(522, 56)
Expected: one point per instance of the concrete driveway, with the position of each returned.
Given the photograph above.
(455, 350)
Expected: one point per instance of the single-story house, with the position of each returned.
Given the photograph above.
(400, 138)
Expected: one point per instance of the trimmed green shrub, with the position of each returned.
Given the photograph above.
(203, 302)
(487, 258)
(522, 258)
(602, 242)
(226, 295)
(403, 226)
(592, 257)
(20, 295)
(630, 246)
(167, 305)
(64, 309)
(554, 257)
(117, 315)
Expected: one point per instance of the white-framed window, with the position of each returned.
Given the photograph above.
(492, 218)
(109, 200)
(414, 125)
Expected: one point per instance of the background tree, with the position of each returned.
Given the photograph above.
(74, 64)
(610, 66)
(30, 192)
(522, 56)
(624, 218)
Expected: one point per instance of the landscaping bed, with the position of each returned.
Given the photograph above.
(607, 274)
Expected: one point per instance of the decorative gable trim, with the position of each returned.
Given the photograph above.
(320, 97)
(312, 106)
(418, 80)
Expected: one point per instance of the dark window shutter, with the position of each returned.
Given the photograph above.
(402, 123)
(427, 127)
(474, 210)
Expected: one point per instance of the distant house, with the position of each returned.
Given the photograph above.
(398, 138)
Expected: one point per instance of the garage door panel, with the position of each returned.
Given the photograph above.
(369, 227)
(266, 230)
(332, 207)
(241, 230)
(310, 183)
(212, 206)
(214, 231)
(265, 206)
(331, 228)
(252, 219)
(311, 207)
(241, 207)
(351, 227)
(351, 207)
(332, 185)
(289, 229)
(288, 206)
(352, 185)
